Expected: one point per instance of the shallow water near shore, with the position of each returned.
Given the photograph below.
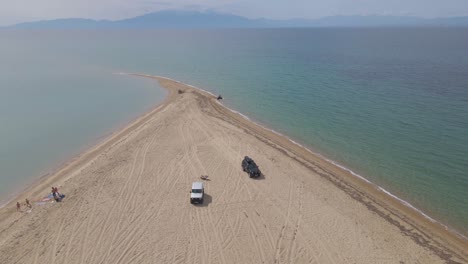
(390, 104)
(52, 108)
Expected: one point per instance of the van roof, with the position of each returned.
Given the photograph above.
(197, 185)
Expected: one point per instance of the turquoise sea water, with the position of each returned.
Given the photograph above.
(390, 104)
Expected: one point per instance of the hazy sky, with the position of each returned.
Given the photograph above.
(14, 11)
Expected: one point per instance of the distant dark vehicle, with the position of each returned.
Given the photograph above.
(249, 166)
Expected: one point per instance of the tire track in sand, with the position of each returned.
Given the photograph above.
(59, 233)
(189, 149)
(113, 210)
(293, 244)
(285, 224)
(136, 233)
(90, 218)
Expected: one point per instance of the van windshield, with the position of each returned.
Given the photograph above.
(196, 191)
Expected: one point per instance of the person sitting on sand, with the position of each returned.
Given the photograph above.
(56, 197)
(56, 191)
(18, 206)
(28, 204)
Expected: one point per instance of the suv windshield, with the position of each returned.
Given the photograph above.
(196, 191)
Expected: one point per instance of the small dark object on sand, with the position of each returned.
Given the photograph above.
(204, 177)
(219, 97)
(180, 91)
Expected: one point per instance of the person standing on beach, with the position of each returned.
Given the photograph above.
(28, 204)
(18, 206)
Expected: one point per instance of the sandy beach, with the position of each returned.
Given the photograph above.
(127, 201)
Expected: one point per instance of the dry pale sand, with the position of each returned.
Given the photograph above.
(128, 201)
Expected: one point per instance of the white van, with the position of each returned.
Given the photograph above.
(197, 193)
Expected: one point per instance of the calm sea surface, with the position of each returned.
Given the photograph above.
(390, 104)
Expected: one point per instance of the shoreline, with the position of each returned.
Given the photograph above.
(411, 222)
(62, 163)
(56, 172)
(407, 209)
(377, 194)
(334, 163)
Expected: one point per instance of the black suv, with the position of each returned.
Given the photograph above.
(249, 166)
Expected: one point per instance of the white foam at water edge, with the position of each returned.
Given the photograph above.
(319, 155)
(245, 117)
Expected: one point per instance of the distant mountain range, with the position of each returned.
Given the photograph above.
(190, 19)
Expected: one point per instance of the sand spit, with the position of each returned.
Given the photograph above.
(128, 202)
